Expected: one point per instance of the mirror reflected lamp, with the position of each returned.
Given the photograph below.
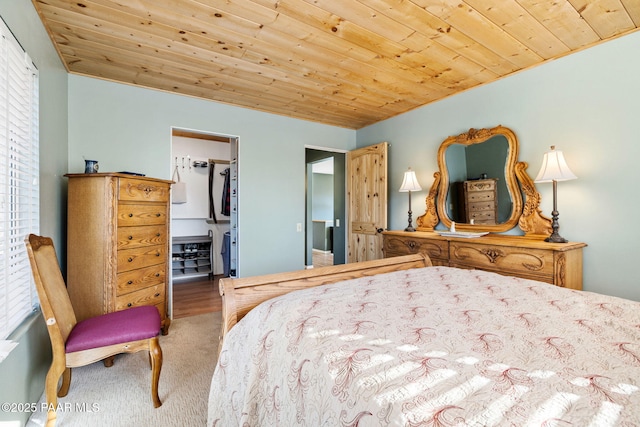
(554, 168)
(409, 184)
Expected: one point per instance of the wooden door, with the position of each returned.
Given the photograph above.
(367, 201)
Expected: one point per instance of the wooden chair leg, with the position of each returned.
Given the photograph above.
(155, 352)
(51, 389)
(108, 362)
(66, 382)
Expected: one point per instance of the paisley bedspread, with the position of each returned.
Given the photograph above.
(435, 347)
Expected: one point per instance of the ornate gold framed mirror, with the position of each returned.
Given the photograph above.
(480, 185)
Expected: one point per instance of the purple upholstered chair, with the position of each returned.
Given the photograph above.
(77, 344)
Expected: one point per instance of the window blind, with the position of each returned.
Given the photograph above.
(19, 174)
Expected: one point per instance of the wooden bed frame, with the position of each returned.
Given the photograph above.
(241, 295)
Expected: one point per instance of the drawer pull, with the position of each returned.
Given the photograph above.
(157, 234)
(157, 294)
(157, 253)
(412, 244)
(130, 282)
(129, 304)
(130, 259)
(158, 215)
(130, 215)
(157, 274)
(130, 237)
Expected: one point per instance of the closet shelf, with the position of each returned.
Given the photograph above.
(191, 256)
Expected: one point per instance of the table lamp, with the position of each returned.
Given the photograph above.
(554, 168)
(409, 184)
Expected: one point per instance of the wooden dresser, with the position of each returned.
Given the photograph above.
(117, 243)
(478, 201)
(557, 263)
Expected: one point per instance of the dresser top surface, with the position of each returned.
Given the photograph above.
(116, 175)
(492, 239)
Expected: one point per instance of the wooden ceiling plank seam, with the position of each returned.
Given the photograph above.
(338, 45)
(151, 82)
(182, 71)
(52, 35)
(364, 16)
(230, 83)
(633, 9)
(364, 34)
(607, 17)
(384, 51)
(474, 25)
(360, 96)
(563, 20)
(225, 13)
(394, 81)
(457, 81)
(416, 69)
(517, 21)
(391, 91)
(433, 38)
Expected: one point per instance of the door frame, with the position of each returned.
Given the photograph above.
(312, 155)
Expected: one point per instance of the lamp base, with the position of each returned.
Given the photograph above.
(555, 236)
(410, 226)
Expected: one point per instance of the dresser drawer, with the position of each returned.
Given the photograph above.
(482, 206)
(138, 236)
(142, 190)
(524, 262)
(133, 214)
(398, 246)
(481, 196)
(133, 280)
(483, 217)
(480, 185)
(153, 295)
(132, 259)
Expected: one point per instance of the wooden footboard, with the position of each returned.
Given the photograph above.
(241, 295)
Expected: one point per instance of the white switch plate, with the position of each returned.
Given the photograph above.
(299, 227)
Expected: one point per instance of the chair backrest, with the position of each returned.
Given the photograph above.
(52, 291)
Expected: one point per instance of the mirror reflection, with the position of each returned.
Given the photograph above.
(476, 183)
(484, 163)
(478, 192)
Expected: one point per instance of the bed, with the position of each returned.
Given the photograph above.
(397, 342)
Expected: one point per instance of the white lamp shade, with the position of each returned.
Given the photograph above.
(554, 167)
(410, 182)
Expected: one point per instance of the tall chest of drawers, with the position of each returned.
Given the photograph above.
(117, 243)
(478, 201)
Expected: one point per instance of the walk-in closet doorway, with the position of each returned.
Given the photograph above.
(203, 218)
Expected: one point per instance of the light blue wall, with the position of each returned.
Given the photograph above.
(22, 372)
(587, 104)
(129, 128)
(322, 197)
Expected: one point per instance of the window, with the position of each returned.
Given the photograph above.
(19, 172)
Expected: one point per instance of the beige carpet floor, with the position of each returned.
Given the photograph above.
(121, 395)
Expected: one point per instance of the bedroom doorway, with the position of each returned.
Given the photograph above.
(200, 222)
(325, 213)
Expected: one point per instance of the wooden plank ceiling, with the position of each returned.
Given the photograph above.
(348, 63)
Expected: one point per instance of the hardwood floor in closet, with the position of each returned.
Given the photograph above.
(196, 296)
(200, 295)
